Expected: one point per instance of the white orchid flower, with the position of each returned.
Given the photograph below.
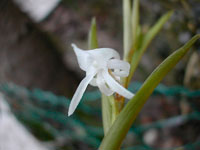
(103, 68)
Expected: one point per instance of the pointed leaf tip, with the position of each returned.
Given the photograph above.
(92, 36)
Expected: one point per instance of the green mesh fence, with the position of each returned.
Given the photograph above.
(45, 114)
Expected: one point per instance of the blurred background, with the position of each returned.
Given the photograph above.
(39, 74)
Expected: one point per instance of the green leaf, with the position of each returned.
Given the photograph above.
(122, 124)
(109, 112)
(145, 43)
(106, 113)
(127, 28)
(135, 20)
(135, 30)
(92, 36)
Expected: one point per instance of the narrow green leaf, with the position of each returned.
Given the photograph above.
(135, 20)
(92, 36)
(127, 28)
(106, 113)
(135, 28)
(122, 124)
(109, 112)
(145, 43)
(155, 29)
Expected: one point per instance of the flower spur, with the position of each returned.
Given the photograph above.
(103, 69)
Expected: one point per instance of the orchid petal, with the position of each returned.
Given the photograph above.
(79, 92)
(120, 73)
(121, 68)
(83, 57)
(102, 85)
(104, 53)
(93, 82)
(115, 86)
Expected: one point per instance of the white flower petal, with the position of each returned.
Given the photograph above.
(83, 57)
(121, 68)
(116, 87)
(93, 82)
(102, 85)
(120, 73)
(104, 54)
(79, 92)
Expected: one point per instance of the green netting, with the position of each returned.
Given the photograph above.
(46, 114)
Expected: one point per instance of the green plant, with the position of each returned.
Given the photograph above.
(117, 118)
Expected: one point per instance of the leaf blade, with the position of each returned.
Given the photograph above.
(146, 41)
(92, 36)
(127, 29)
(106, 113)
(135, 30)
